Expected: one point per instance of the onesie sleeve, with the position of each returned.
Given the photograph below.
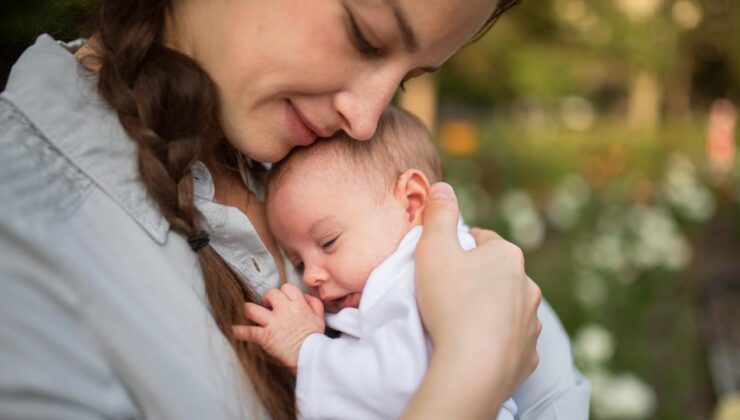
(556, 390)
(372, 377)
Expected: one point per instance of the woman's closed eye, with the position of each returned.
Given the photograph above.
(358, 38)
(366, 48)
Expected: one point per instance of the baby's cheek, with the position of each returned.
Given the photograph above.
(357, 275)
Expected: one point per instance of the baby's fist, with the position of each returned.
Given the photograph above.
(287, 318)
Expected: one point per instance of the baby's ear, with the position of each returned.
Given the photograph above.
(412, 191)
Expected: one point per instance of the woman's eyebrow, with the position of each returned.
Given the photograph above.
(407, 32)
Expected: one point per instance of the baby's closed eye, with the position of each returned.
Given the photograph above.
(328, 244)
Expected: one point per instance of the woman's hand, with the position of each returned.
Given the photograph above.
(480, 309)
(285, 321)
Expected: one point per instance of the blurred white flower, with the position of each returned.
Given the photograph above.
(593, 345)
(657, 240)
(577, 113)
(606, 247)
(476, 204)
(686, 14)
(590, 289)
(565, 204)
(526, 226)
(684, 191)
(639, 10)
(622, 396)
(608, 251)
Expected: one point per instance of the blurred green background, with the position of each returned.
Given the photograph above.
(600, 136)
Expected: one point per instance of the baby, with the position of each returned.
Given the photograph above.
(348, 215)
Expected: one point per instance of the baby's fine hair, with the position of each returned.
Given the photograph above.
(401, 142)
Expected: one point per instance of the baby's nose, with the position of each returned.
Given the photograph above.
(314, 276)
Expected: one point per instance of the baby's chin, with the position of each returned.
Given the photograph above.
(350, 300)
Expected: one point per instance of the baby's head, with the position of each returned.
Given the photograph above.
(338, 208)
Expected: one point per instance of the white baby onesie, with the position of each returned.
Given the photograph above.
(372, 370)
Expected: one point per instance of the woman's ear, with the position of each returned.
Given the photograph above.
(412, 191)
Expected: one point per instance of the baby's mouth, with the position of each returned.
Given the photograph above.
(350, 300)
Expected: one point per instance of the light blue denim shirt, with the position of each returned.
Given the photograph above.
(103, 311)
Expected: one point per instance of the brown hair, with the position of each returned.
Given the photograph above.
(168, 105)
(401, 142)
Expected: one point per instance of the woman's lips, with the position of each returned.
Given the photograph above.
(301, 133)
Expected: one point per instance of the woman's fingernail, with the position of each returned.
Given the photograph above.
(442, 190)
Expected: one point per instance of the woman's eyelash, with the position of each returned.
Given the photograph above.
(362, 44)
(402, 86)
(299, 266)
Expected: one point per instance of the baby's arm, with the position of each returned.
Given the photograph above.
(283, 326)
(372, 377)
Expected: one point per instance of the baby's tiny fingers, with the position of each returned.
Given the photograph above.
(249, 333)
(292, 291)
(257, 313)
(274, 298)
(317, 306)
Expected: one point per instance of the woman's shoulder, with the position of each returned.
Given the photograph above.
(35, 179)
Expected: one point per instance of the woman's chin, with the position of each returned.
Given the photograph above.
(266, 151)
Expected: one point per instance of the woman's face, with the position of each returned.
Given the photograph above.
(289, 71)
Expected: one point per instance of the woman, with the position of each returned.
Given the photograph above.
(106, 255)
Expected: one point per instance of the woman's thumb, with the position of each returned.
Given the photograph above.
(441, 215)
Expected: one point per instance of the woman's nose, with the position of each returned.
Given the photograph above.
(361, 106)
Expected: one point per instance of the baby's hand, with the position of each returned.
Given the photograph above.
(287, 318)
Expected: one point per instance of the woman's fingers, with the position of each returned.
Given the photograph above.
(249, 333)
(257, 314)
(483, 235)
(536, 293)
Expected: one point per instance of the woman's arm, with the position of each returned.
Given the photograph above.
(461, 294)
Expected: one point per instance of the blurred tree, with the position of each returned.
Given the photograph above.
(637, 58)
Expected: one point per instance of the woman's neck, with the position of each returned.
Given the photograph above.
(87, 54)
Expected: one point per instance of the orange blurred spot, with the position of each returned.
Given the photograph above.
(460, 138)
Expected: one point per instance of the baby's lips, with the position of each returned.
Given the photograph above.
(332, 299)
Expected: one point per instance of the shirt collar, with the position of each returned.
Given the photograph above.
(60, 98)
